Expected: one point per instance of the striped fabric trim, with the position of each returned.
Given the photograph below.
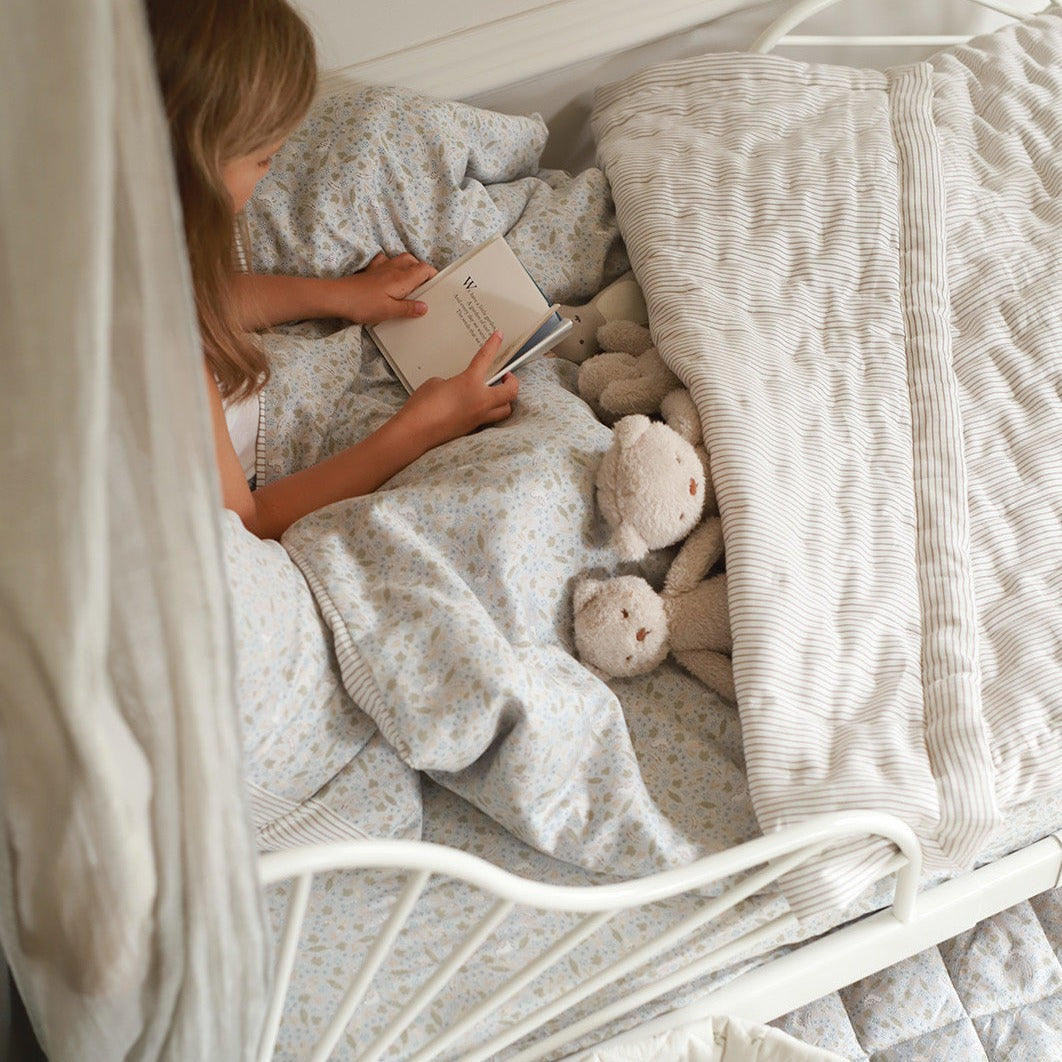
(356, 674)
(260, 465)
(281, 823)
(1007, 359)
(951, 674)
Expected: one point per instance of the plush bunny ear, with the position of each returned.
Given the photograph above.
(622, 300)
(680, 414)
(629, 429)
(586, 589)
(626, 335)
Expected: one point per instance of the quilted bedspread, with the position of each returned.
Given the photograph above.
(857, 273)
(994, 993)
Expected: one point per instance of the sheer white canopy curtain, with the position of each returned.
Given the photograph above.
(130, 912)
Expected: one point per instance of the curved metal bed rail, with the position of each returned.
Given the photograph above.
(780, 30)
(762, 860)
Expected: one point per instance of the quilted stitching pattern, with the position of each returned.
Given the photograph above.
(993, 993)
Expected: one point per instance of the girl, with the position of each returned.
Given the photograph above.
(237, 76)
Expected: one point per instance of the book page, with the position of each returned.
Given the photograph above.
(484, 290)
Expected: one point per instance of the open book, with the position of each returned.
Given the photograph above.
(484, 290)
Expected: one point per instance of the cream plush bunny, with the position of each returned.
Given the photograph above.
(620, 301)
(623, 627)
(629, 376)
(650, 486)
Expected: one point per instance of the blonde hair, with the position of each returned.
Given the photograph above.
(236, 76)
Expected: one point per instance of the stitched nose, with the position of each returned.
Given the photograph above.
(641, 634)
(693, 487)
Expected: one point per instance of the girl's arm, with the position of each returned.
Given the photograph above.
(376, 294)
(439, 410)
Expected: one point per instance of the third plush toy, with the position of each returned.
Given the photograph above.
(623, 627)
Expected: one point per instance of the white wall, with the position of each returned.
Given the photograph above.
(493, 52)
(351, 30)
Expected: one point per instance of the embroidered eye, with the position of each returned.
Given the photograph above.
(625, 613)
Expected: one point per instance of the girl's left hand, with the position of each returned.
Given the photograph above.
(379, 292)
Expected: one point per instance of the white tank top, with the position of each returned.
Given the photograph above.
(242, 420)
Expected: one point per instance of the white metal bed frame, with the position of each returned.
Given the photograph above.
(914, 920)
(762, 861)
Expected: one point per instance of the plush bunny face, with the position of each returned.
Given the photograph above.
(650, 487)
(620, 301)
(620, 626)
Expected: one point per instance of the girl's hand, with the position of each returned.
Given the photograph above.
(440, 410)
(378, 293)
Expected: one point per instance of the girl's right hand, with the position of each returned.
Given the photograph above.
(440, 410)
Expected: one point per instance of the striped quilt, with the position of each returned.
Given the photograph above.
(859, 276)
